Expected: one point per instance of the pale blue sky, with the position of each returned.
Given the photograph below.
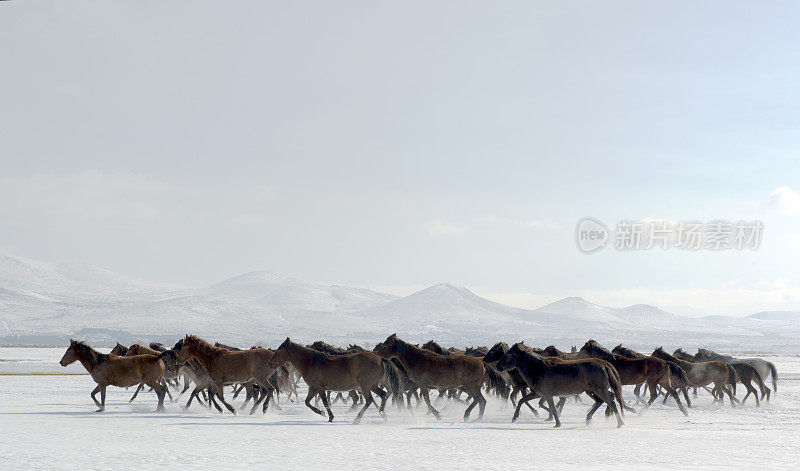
(404, 144)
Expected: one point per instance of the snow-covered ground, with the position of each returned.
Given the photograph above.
(48, 422)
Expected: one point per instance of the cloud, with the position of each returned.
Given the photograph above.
(542, 224)
(785, 200)
(439, 228)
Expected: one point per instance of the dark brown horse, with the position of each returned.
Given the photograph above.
(431, 370)
(513, 377)
(225, 366)
(112, 370)
(323, 372)
(634, 371)
(549, 377)
(701, 374)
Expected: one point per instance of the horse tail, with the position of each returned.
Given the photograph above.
(390, 371)
(616, 387)
(774, 372)
(496, 380)
(732, 378)
(759, 379)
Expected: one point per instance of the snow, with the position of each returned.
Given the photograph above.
(54, 426)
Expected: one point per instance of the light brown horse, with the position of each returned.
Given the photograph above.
(225, 366)
(634, 371)
(431, 370)
(702, 374)
(112, 370)
(323, 372)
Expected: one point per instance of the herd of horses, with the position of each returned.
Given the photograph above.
(401, 371)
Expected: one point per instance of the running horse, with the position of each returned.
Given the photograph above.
(431, 370)
(323, 372)
(226, 366)
(112, 370)
(634, 371)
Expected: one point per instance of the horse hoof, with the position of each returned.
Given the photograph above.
(100, 409)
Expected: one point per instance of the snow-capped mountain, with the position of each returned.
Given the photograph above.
(40, 299)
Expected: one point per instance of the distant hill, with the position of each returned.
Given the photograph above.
(40, 301)
(777, 316)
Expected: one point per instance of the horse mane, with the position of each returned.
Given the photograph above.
(627, 352)
(88, 352)
(203, 346)
(159, 347)
(595, 348)
(666, 355)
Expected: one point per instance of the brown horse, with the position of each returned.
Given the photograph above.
(676, 375)
(550, 376)
(112, 370)
(323, 372)
(701, 374)
(225, 366)
(432, 370)
(764, 367)
(634, 371)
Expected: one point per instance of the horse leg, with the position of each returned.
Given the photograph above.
(685, 391)
(672, 392)
(262, 393)
(94, 393)
(220, 393)
(730, 395)
(211, 399)
(653, 396)
(311, 393)
(136, 393)
(543, 405)
(166, 388)
(161, 393)
(383, 395)
(426, 396)
(367, 401)
(191, 397)
(554, 409)
(102, 399)
(609, 399)
(523, 400)
(597, 403)
(326, 401)
(560, 405)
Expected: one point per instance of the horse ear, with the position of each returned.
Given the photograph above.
(393, 336)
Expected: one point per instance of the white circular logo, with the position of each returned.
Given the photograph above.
(591, 235)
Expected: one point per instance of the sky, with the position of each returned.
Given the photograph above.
(401, 144)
